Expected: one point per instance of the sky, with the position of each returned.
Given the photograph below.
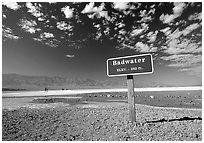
(75, 39)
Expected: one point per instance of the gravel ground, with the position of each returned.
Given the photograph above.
(99, 121)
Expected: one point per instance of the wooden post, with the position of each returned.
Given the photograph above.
(131, 98)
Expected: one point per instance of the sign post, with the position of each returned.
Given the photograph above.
(131, 98)
(129, 66)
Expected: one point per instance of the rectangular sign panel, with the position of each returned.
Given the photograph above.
(130, 65)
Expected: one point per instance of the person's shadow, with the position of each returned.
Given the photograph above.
(177, 119)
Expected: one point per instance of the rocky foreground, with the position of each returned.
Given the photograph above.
(100, 121)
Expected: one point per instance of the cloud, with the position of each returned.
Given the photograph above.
(152, 36)
(49, 42)
(178, 8)
(167, 18)
(7, 33)
(53, 17)
(190, 28)
(174, 35)
(35, 11)
(67, 11)
(139, 47)
(104, 14)
(186, 46)
(190, 63)
(146, 16)
(122, 32)
(62, 25)
(98, 35)
(121, 5)
(52, 42)
(89, 8)
(11, 5)
(183, 47)
(144, 48)
(70, 56)
(137, 32)
(183, 60)
(47, 38)
(120, 25)
(107, 31)
(143, 28)
(92, 11)
(196, 16)
(29, 26)
(194, 70)
(3, 15)
(166, 31)
(38, 39)
(177, 11)
(46, 35)
(178, 43)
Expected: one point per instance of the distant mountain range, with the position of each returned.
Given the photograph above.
(16, 81)
(22, 82)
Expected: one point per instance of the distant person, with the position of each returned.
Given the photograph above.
(46, 89)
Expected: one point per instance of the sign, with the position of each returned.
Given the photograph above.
(130, 65)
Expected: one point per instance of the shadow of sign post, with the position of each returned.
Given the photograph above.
(129, 66)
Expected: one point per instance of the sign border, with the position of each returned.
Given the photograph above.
(130, 73)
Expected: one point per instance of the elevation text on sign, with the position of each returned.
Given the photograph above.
(130, 65)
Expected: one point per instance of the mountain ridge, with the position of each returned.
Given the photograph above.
(56, 82)
(17, 81)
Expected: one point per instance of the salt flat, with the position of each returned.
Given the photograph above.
(81, 91)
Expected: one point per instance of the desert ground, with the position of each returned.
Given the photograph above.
(174, 115)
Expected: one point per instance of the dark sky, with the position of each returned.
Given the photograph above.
(76, 39)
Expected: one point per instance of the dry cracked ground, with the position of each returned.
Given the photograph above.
(99, 121)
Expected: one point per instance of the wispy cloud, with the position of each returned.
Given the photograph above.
(196, 16)
(47, 38)
(29, 26)
(52, 42)
(190, 28)
(147, 15)
(186, 62)
(136, 32)
(183, 48)
(186, 46)
(183, 60)
(139, 29)
(152, 36)
(7, 33)
(144, 48)
(140, 47)
(49, 42)
(177, 41)
(70, 56)
(166, 31)
(193, 70)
